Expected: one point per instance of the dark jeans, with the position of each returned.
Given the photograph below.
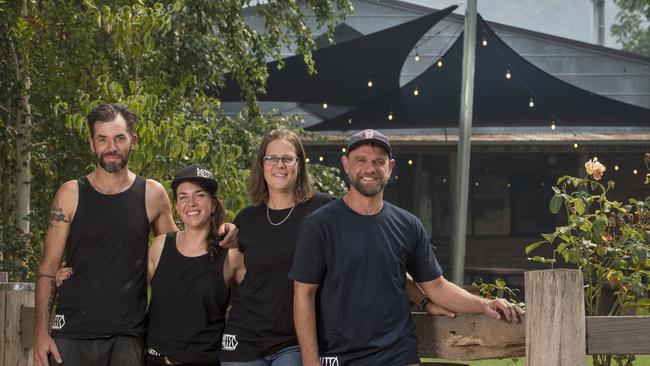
(113, 351)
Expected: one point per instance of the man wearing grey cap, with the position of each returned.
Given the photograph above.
(350, 265)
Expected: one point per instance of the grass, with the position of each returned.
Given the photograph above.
(640, 361)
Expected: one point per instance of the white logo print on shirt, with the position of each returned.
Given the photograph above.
(329, 361)
(229, 342)
(58, 322)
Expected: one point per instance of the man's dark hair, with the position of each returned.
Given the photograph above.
(108, 113)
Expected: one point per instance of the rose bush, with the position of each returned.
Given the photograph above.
(609, 241)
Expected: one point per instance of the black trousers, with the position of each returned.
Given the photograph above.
(113, 351)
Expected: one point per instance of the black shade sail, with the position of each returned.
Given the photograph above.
(508, 91)
(345, 69)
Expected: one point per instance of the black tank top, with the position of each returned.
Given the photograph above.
(188, 305)
(107, 249)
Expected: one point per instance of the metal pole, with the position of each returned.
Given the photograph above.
(464, 145)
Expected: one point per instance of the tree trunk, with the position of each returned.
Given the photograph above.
(23, 137)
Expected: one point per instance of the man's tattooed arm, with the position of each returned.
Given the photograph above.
(57, 215)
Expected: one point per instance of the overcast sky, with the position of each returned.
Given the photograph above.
(564, 18)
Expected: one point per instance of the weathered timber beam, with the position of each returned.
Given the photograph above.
(618, 335)
(468, 337)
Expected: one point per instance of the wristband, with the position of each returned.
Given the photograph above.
(423, 304)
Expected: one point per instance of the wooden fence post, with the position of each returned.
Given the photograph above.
(14, 297)
(555, 318)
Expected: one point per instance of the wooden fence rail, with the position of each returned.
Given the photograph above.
(553, 333)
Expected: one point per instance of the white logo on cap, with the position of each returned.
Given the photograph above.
(368, 134)
(203, 173)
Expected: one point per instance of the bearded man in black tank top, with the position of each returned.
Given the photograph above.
(101, 223)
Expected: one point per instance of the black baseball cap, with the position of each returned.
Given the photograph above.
(369, 137)
(194, 172)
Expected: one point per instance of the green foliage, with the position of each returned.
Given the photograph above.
(632, 25)
(609, 241)
(158, 58)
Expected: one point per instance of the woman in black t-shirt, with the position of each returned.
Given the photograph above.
(190, 277)
(260, 329)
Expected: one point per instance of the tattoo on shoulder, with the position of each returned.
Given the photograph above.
(57, 215)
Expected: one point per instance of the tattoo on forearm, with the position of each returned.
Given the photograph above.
(57, 215)
(50, 300)
(50, 281)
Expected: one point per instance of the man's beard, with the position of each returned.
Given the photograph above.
(369, 190)
(117, 166)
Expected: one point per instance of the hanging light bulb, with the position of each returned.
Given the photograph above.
(417, 56)
(595, 158)
(307, 160)
(476, 183)
(616, 167)
(531, 103)
(575, 145)
(508, 74)
(410, 162)
(369, 83)
(349, 121)
(320, 158)
(416, 91)
(439, 63)
(636, 171)
(390, 116)
(324, 105)
(552, 125)
(343, 149)
(484, 43)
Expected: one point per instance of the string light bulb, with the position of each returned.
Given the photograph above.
(324, 105)
(531, 103)
(410, 162)
(369, 83)
(484, 43)
(476, 183)
(636, 172)
(320, 158)
(390, 116)
(575, 145)
(552, 125)
(439, 63)
(417, 55)
(349, 121)
(616, 167)
(306, 160)
(416, 91)
(343, 149)
(508, 74)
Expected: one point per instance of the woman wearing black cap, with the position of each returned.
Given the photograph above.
(260, 329)
(190, 277)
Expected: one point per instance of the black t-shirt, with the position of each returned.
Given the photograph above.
(260, 322)
(360, 262)
(188, 305)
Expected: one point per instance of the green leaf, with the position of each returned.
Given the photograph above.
(598, 227)
(533, 246)
(550, 237)
(555, 204)
(579, 206)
